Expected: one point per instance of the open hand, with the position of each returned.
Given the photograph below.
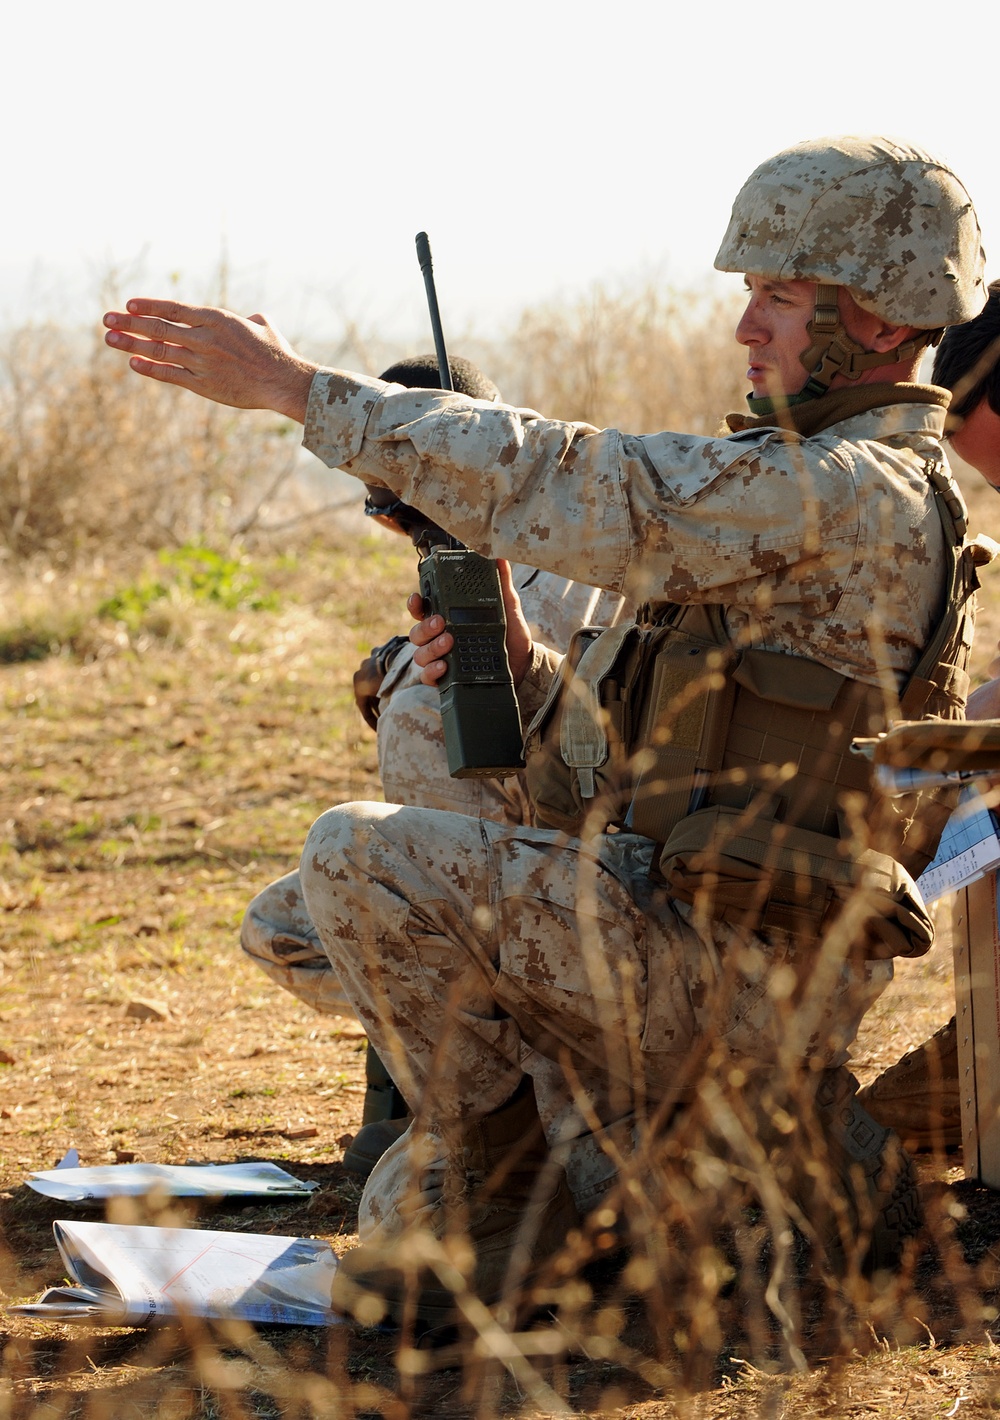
(243, 362)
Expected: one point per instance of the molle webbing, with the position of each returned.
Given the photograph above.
(739, 762)
(682, 734)
(778, 745)
(787, 754)
(800, 714)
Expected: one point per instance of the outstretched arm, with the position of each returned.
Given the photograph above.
(218, 354)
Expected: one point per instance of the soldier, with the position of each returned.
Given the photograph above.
(968, 364)
(745, 861)
(390, 692)
(277, 932)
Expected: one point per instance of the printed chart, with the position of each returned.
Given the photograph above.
(969, 849)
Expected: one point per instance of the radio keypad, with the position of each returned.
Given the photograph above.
(478, 654)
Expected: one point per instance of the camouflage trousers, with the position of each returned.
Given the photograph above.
(473, 952)
(279, 936)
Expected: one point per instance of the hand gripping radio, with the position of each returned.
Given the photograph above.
(479, 711)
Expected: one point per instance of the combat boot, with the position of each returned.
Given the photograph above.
(919, 1097)
(500, 1209)
(383, 1098)
(371, 1142)
(875, 1177)
(383, 1119)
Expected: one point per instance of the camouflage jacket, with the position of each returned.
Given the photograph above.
(826, 546)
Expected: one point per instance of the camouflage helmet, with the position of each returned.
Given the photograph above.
(883, 218)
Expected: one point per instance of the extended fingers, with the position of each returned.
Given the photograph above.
(152, 338)
(149, 350)
(177, 312)
(155, 327)
(168, 322)
(218, 354)
(160, 370)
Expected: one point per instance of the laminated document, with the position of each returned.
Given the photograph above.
(969, 849)
(132, 1276)
(76, 1185)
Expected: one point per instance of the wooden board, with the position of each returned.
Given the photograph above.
(976, 938)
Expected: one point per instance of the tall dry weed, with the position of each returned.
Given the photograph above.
(93, 460)
(640, 360)
(726, 1240)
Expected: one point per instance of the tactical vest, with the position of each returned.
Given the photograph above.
(738, 764)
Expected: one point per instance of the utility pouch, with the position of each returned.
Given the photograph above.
(763, 876)
(633, 727)
(683, 725)
(576, 748)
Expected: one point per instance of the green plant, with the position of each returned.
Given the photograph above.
(193, 572)
(130, 604)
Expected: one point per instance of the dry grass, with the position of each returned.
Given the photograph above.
(653, 358)
(148, 793)
(94, 462)
(92, 459)
(163, 762)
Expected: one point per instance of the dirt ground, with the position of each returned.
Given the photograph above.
(147, 794)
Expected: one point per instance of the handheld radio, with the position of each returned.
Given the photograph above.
(479, 710)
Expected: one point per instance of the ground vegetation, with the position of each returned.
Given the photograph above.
(176, 687)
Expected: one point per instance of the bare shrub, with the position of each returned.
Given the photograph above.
(93, 458)
(637, 359)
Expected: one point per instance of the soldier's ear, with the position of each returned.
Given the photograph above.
(869, 329)
(891, 337)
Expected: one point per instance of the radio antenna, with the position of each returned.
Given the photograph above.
(427, 269)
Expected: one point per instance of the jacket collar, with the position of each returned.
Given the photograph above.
(839, 405)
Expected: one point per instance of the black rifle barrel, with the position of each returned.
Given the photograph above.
(427, 268)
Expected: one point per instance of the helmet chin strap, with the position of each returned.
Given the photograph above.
(833, 352)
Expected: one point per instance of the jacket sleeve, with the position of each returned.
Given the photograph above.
(666, 516)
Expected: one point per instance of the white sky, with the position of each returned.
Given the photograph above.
(542, 145)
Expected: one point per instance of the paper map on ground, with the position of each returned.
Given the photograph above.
(969, 849)
(130, 1276)
(76, 1185)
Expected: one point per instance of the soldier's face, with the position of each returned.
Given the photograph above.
(774, 328)
(978, 441)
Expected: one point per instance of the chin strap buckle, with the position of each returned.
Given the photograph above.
(826, 315)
